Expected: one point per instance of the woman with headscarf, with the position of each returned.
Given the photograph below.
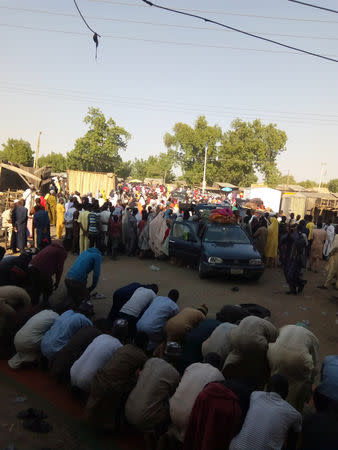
(272, 242)
(260, 236)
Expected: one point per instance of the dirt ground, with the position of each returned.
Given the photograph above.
(313, 305)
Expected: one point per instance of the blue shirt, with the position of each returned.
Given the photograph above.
(89, 260)
(156, 315)
(329, 381)
(62, 331)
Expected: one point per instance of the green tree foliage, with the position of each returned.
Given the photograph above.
(139, 169)
(156, 166)
(57, 161)
(124, 169)
(332, 185)
(287, 179)
(98, 150)
(308, 184)
(233, 156)
(188, 144)
(17, 151)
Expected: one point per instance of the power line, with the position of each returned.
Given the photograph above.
(164, 105)
(224, 13)
(256, 36)
(314, 6)
(153, 41)
(157, 24)
(95, 35)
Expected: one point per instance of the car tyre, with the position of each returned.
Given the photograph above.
(256, 277)
(201, 273)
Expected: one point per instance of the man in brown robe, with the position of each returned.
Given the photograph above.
(113, 383)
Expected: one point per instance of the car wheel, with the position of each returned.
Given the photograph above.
(201, 273)
(256, 277)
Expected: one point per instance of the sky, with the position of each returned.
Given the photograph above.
(155, 68)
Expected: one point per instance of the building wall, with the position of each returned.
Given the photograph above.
(85, 182)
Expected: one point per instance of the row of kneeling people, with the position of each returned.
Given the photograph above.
(184, 379)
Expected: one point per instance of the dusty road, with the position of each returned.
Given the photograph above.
(313, 305)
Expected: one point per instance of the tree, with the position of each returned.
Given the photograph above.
(233, 156)
(307, 184)
(259, 145)
(332, 185)
(188, 144)
(124, 169)
(57, 161)
(287, 179)
(161, 166)
(18, 151)
(98, 150)
(139, 169)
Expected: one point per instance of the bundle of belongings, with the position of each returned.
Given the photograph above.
(222, 215)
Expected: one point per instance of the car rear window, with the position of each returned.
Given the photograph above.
(226, 235)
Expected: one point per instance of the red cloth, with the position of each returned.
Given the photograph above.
(43, 202)
(114, 229)
(214, 420)
(50, 260)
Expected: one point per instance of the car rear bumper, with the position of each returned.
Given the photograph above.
(226, 269)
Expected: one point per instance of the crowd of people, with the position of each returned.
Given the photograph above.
(180, 377)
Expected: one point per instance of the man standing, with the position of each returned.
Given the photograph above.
(76, 278)
(60, 218)
(51, 207)
(19, 220)
(70, 210)
(46, 264)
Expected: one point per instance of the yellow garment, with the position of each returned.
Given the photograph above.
(83, 239)
(310, 226)
(60, 213)
(272, 240)
(103, 192)
(51, 208)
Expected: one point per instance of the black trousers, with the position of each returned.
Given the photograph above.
(40, 284)
(77, 291)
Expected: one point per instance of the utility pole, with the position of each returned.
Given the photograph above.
(321, 174)
(36, 158)
(205, 166)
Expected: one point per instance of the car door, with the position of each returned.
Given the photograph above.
(184, 243)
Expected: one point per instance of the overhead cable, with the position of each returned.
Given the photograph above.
(159, 24)
(154, 41)
(314, 6)
(165, 105)
(95, 34)
(224, 13)
(256, 36)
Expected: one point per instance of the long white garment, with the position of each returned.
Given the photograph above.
(139, 301)
(330, 233)
(195, 377)
(219, 342)
(96, 355)
(28, 339)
